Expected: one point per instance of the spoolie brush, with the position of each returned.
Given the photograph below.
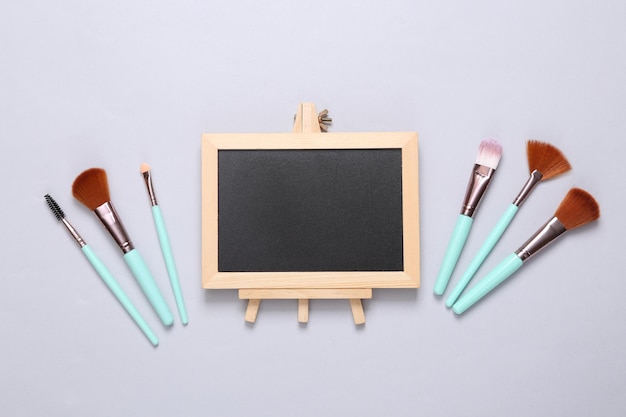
(544, 162)
(104, 273)
(166, 249)
(577, 209)
(487, 161)
(91, 188)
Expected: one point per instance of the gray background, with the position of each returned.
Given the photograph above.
(118, 83)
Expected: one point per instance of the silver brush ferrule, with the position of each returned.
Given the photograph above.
(481, 176)
(533, 180)
(550, 231)
(148, 180)
(73, 232)
(111, 221)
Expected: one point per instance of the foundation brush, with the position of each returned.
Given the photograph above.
(544, 162)
(91, 188)
(577, 209)
(166, 249)
(104, 273)
(487, 161)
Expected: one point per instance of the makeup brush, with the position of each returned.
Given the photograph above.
(166, 249)
(91, 188)
(487, 161)
(577, 209)
(544, 162)
(104, 273)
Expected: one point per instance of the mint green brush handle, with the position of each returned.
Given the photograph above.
(148, 285)
(482, 254)
(457, 241)
(169, 262)
(504, 270)
(115, 288)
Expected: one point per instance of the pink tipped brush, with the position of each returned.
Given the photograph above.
(487, 161)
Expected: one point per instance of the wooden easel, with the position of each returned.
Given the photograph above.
(307, 120)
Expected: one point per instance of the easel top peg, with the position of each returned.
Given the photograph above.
(307, 120)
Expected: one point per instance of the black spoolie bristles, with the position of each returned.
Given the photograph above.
(54, 207)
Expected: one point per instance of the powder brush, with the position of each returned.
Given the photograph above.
(545, 161)
(164, 241)
(91, 188)
(103, 271)
(577, 209)
(487, 161)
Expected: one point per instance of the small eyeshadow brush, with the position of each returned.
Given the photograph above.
(487, 161)
(166, 249)
(544, 162)
(103, 271)
(91, 188)
(577, 209)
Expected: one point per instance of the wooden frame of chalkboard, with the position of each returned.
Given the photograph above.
(407, 276)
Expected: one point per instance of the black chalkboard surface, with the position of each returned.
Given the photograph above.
(310, 211)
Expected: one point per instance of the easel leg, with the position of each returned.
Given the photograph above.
(357, 311)
(303, 310)
(252, 310)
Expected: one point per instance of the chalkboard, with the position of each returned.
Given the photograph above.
(310, 210)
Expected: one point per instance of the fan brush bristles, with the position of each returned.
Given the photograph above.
(91, 188)
(489, 153)
(546, 159)
(54, 207)
(577, 209)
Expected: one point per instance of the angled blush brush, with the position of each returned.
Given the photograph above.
(91, 188)
(487, 161)
(103, 271)
(544, 162)
(166, 249)
(577, 209)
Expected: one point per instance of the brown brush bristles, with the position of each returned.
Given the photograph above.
(577, 209)
(546, 159)
(91, 188)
